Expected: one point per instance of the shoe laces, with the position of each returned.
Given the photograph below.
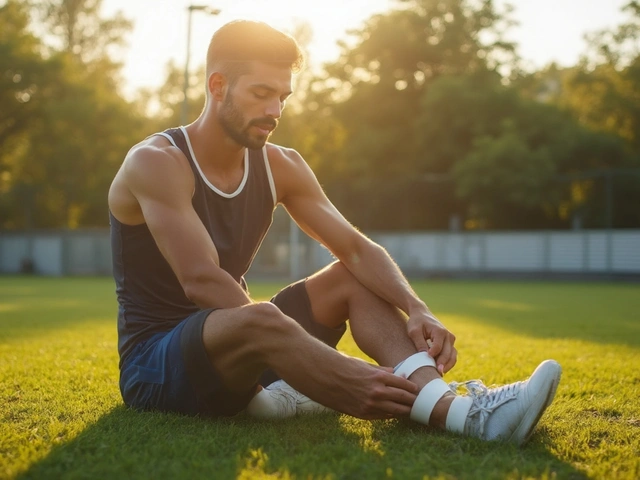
(285, 397)
(486, 400)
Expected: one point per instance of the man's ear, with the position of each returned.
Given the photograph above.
(217, 83)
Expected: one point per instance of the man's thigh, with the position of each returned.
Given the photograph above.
(172, 372)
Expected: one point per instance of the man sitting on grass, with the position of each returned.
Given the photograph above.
(189, 208)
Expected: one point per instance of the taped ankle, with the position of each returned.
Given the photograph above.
(430, 394)
(414, 362)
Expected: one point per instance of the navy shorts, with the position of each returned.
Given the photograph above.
(171, 371)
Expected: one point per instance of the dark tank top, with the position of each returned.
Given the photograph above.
(150, 297)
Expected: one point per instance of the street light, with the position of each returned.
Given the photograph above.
(191, 9)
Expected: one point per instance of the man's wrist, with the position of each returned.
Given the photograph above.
(418, 307)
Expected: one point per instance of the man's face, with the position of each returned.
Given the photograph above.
(252, 106)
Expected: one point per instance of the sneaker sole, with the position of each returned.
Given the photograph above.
(524, 430)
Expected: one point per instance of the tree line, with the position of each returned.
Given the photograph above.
(427, 120)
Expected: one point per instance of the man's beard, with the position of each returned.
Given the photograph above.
(232, 122)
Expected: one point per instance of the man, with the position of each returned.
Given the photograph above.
(189, 209)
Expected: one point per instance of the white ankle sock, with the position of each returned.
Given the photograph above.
(458, 412)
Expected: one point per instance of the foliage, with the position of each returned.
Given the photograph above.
(601, 94)
(425, 121)
(82, 127)
(435, 123)
(24, 85)
(370, 99)
(79, 29)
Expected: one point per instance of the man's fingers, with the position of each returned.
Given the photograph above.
(391, 409)
(401, 383)
(399, 396)
(453, 358)
(417, 336)
(437, 341)
(443, 359)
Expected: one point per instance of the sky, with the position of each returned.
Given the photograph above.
(548, 30)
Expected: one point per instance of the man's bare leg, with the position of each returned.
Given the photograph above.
(242, 342)
(507, 413)
(378, 328)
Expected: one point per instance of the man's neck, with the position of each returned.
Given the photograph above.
(213, 147)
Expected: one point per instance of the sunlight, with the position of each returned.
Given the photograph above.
(256, 466)
(364, 430)
(327, 20)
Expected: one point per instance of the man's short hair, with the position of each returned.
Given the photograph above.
(240, 42)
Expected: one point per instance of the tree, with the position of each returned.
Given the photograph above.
(367, 102)
(77, 137)
(79, 28)
(507, 153)
(25, 79)
(601, 94)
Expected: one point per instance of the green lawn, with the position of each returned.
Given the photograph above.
(62, 415)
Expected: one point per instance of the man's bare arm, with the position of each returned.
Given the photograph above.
(162, 184)
(302, 196)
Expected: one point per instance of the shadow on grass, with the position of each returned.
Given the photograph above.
(127, 444)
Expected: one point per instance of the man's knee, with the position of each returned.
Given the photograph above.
(340, 274)
(266, 318)
(342, 280)
(260, 322)
(246, 335)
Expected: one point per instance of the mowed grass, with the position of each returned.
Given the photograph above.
(62, 415)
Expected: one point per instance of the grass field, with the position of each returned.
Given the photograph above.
(62, 415)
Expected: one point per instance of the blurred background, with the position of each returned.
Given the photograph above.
(469, 137)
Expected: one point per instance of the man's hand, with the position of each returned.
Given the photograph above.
(367, 391)
(430, 336)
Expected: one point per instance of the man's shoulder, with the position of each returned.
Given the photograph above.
(154, 163)
(153, 145)
(283, 156)
(154, 152)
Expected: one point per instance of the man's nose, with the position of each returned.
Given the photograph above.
(274, 109)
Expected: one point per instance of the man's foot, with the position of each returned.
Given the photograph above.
(279, 400)
(510, 413)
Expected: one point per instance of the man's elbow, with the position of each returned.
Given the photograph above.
(361, 249)
(198, 286)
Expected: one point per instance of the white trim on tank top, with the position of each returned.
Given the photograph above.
(168, 137)
(209, 184)
(272, 184)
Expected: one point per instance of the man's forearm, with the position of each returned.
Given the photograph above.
(377, 271)
(217, 290)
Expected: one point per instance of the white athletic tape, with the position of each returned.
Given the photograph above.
(458, 412)
(427, 399)
(414, 362)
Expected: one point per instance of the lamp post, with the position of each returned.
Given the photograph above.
(185, 101)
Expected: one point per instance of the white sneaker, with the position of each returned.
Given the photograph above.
(510, 413)
(279, 400)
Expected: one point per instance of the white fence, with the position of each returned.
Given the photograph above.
(547, 252)
(87, 252)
